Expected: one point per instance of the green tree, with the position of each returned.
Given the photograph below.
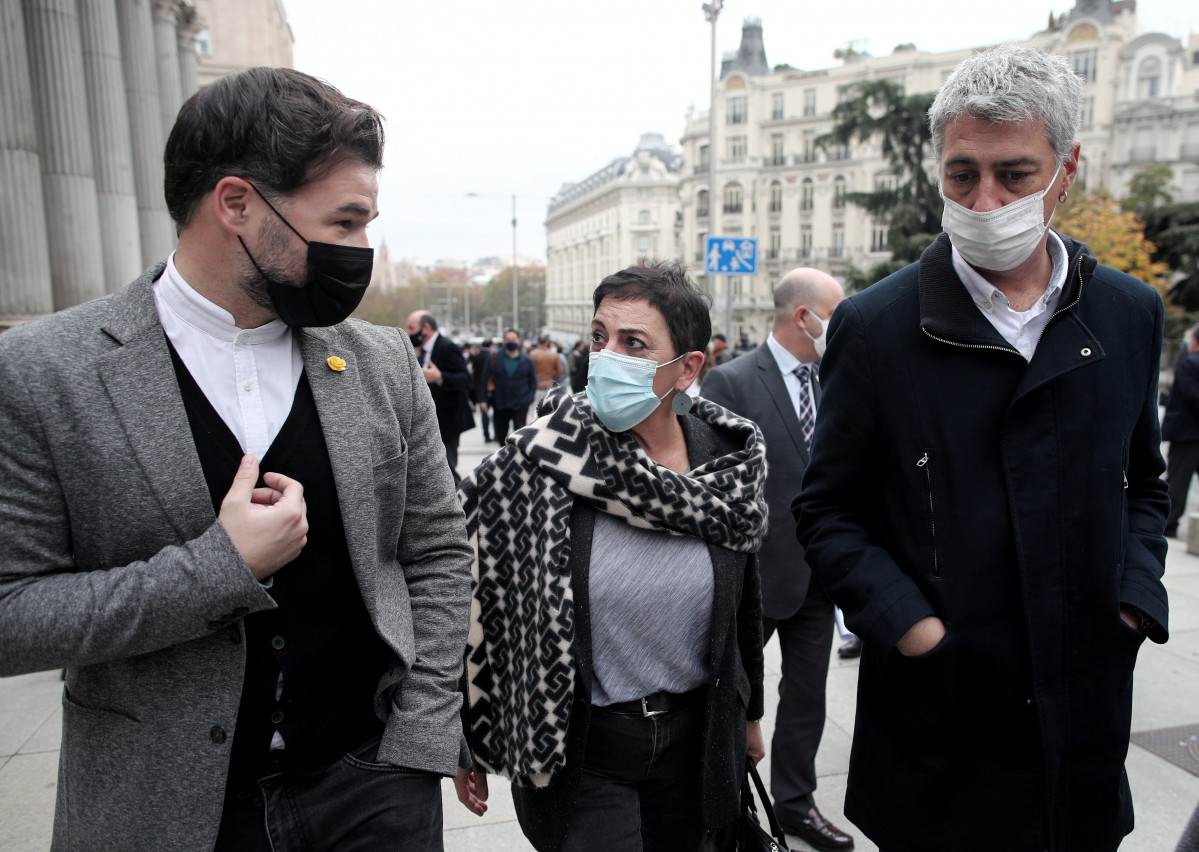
(1174, 231)
(1116, 237)
(1149, 187)
(496, 298)
(878, 111)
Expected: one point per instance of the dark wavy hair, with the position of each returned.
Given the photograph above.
(276, 127)
(666, 285)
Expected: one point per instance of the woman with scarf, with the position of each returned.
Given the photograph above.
(614, 665)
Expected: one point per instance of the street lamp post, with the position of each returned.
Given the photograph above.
(712, 12)
(515, 263)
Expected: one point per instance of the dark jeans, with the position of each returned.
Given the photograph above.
(354, 804)
(508, 417)
(641, 784)
(485, 420)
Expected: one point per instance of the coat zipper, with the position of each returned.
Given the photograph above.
(923, 463)
(1006, 348)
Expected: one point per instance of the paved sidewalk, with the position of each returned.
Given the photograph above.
(1167, 695)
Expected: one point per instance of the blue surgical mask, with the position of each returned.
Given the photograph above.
(620, 388)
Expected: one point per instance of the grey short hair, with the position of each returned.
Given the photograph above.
(1010, 84)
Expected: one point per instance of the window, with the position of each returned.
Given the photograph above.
(1087, 114)
(732, 198)
(885, 180)
(809, 101)
(840, 152)
(878, 237)
(776, 197)
(703, 157)
(838, 249)
(776, 243)
(807, 193)
(805, 241)
(736, 110)
(839, 193)
(701, 203)
(1084, 62)
(809, 147)
(736, 149)
(644, 217)
(776, 106)
(1148, 76)
(204, 43)
(643, 245)
(777, 157)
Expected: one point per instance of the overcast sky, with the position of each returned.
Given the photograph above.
(520, 96)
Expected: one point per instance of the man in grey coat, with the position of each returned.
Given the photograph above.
(252, 662)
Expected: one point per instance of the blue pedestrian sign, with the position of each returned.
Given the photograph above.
(730, 255)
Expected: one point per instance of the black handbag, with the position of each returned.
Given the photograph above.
(751, 836)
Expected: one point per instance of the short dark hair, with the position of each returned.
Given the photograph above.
(487, 341)
(275, 127)
(668, 288)
(426, 318)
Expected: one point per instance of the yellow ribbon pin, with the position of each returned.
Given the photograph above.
(336, 364)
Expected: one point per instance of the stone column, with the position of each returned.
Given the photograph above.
(166, 55)
(136, 26)
(111, 146)
(60, 99)
(25, 290)
(189, 28)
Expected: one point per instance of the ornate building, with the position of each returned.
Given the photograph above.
(1141, 105)
(89, 90)
(626, 211)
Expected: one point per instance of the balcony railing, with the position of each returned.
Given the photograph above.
(1144, 154)
(732, 208)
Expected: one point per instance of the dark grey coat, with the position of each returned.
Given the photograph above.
(113, 566)
(752, 386)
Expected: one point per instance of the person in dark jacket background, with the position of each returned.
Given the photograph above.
(513, 381)
(449, 381)
(984, 497)
(478, 363)
(1180, 426)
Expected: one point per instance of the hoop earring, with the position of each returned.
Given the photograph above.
(1062, 196)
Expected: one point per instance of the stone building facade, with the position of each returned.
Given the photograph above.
(89, 90)
(772, 182)
(626, 211)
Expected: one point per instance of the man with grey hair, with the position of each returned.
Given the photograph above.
(984, 498)
(775, 386)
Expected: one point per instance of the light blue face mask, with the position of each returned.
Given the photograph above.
(621, 388)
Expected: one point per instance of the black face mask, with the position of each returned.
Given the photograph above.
(511, 346)
(337, 280)
(417, 339)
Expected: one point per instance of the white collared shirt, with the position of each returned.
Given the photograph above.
(426, 348)
(248, 375)
(1022, 329)
(787, 364)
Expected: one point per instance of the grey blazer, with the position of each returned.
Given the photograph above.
(752, 386)
(113, 565)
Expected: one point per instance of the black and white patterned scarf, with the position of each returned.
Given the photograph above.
(520, 665)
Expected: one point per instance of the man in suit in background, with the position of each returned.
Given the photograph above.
(449, 381)
(249, 662)
(478, 363)
(1180, 426)
(776, 386)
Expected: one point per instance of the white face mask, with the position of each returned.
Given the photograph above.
(820, 342)
(1001, 239)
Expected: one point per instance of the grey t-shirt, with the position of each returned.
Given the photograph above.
(651, 607)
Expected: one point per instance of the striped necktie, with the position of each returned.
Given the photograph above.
(807, 413)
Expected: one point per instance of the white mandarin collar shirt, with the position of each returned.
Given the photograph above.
(1022, 329)
(248, 375)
